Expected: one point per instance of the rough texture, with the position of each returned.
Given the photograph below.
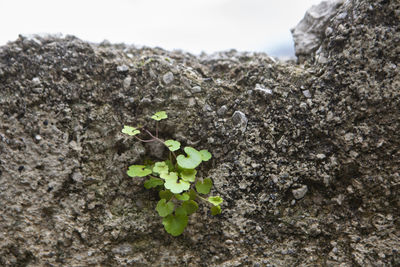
(312, 179)
(311, 30)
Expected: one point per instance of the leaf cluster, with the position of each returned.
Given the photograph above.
(175, 178)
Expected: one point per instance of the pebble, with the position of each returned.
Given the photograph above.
(299, 193)
(77, 177)
(196, 89)
(239, 118)
(127, 82)
(307, 93)
(38, 137)
(262, 89)
(36, 81)
(222, 110)
(122, 68)
(168, 78)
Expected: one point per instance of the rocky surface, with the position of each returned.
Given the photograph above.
(306, 156)
(313, 28)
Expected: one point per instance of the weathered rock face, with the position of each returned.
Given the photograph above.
(306, 157)
(311, 30)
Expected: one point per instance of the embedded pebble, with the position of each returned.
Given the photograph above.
(239, 118)
(307, 93)
(168, 78)
(127, 82)
(36, 81)
(222, 110)
(299, 193)
(262, 89)
(196, 89)
(122, 68)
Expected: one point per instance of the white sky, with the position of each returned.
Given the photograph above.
(190, 25)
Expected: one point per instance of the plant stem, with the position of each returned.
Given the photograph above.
(157, 129)
(202, 198)
(145, 141)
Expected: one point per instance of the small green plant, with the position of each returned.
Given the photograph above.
(175, 178)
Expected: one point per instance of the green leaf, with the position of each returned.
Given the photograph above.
(191, 161)
(183, 197)
(190, 206)
(205, 155)
(192, 194)
(172, 183)
(160, 167)
(172, 145)
(164, 208)
(165, 194)
(138, 171)
(175, 224)
(204, 187)
(188, 175)
(215, 210)
(170, 165)
(215, 200)
(169, 176)
(130, 130)
(153, 182)
(159, 116)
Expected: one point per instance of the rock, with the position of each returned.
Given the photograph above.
(262, 89)
(307, 93)
(196, 89)
(127, 82)
(222, 110)
(156, 149)
(168, 78)
(123, 68)
(67, 200)
(299, 193)
(36, 81)
(308, 33)
(239, 119)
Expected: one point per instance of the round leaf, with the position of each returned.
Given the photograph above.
(205, 155)
(172, 145)
(192, 160)
(172, 183)
(164, 208)
(183, 197)
(159, 116)
(190, 206)
(175, 224)
(188, 175)
(153, 182)
(204, 187)
(169, 176)
(130, 130)
(215, 210)
(215, 200)
(192, 194)
(160, 167)
(166, 194)
(138, 171)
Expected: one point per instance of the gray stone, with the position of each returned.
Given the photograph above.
(36, 81)
(127, 82)
(299, 193)
(222, 110)
(262, 89)
(240, 119)
(168, 78)
(307, 93)
(196, 89)
(122, 68)
(308, 33)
